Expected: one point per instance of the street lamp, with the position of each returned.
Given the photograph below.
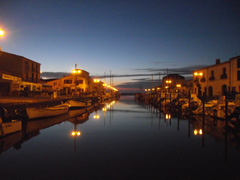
(198, 75)
(168, 82)
(76, 72)
(1, 32)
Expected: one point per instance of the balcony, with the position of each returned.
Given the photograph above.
(223, 76)
(212, 78)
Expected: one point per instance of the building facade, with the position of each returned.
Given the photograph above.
(217, 79)
(173, 82)
(72, 84)
(17, 72)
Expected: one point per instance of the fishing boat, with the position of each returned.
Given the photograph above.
(34, 113)
(10, 127)
(78, 104)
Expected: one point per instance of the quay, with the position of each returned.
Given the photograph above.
(14, 107)
(187, 105)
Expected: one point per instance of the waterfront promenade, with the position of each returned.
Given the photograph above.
(35, 99)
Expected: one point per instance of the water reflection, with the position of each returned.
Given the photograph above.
(18, 132)
(199, 125)
(142, 142)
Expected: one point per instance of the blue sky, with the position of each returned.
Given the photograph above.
(124, 36)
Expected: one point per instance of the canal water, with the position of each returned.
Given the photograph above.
(121, 140)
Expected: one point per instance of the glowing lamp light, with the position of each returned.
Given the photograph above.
(153, 89)
(1, 32)
(198, 74)
(178, 85)
(145, 89)
(166, 87)
(104, 109)
(96, 117)
(168, 116)
(149, 89)
(76, 71)
(76, 133)
(195, 132)
(96, 80)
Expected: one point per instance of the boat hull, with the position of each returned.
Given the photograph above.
(10, 127)
(34, 113)
(78, 104)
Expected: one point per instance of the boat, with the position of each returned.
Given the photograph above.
(76, 112)
(218, 110)
(43, 123)
(34, 113)
(78, 104)
(10, 127)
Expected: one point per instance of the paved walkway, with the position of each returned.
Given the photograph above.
(20, 99)
(32, 99)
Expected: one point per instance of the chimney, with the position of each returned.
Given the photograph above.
(217, 61)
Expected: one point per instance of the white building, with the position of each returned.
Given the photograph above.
(217, 79)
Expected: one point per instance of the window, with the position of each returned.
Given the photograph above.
(238, 75)
(36, 68)
(212, 73)
(32, 67)
(67, 81)
(224, 74)
(212, 78)
(238, 63)
(79, 82)
(224, 71)
(26, 66)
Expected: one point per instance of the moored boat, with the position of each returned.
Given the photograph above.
(10, 127)
(47, 112)
(78, 104)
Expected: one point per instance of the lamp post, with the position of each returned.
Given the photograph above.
(198, 75)
(76, 72)
(168, 82)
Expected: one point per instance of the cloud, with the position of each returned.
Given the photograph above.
(53, 75)
(181, 71)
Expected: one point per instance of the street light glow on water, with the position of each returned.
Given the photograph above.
(129, 141)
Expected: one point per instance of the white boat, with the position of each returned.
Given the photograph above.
(78, 104)
(47, 112)
(219, 109)
(10, 127)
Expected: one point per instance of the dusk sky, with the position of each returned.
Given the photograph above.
(125, 36)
